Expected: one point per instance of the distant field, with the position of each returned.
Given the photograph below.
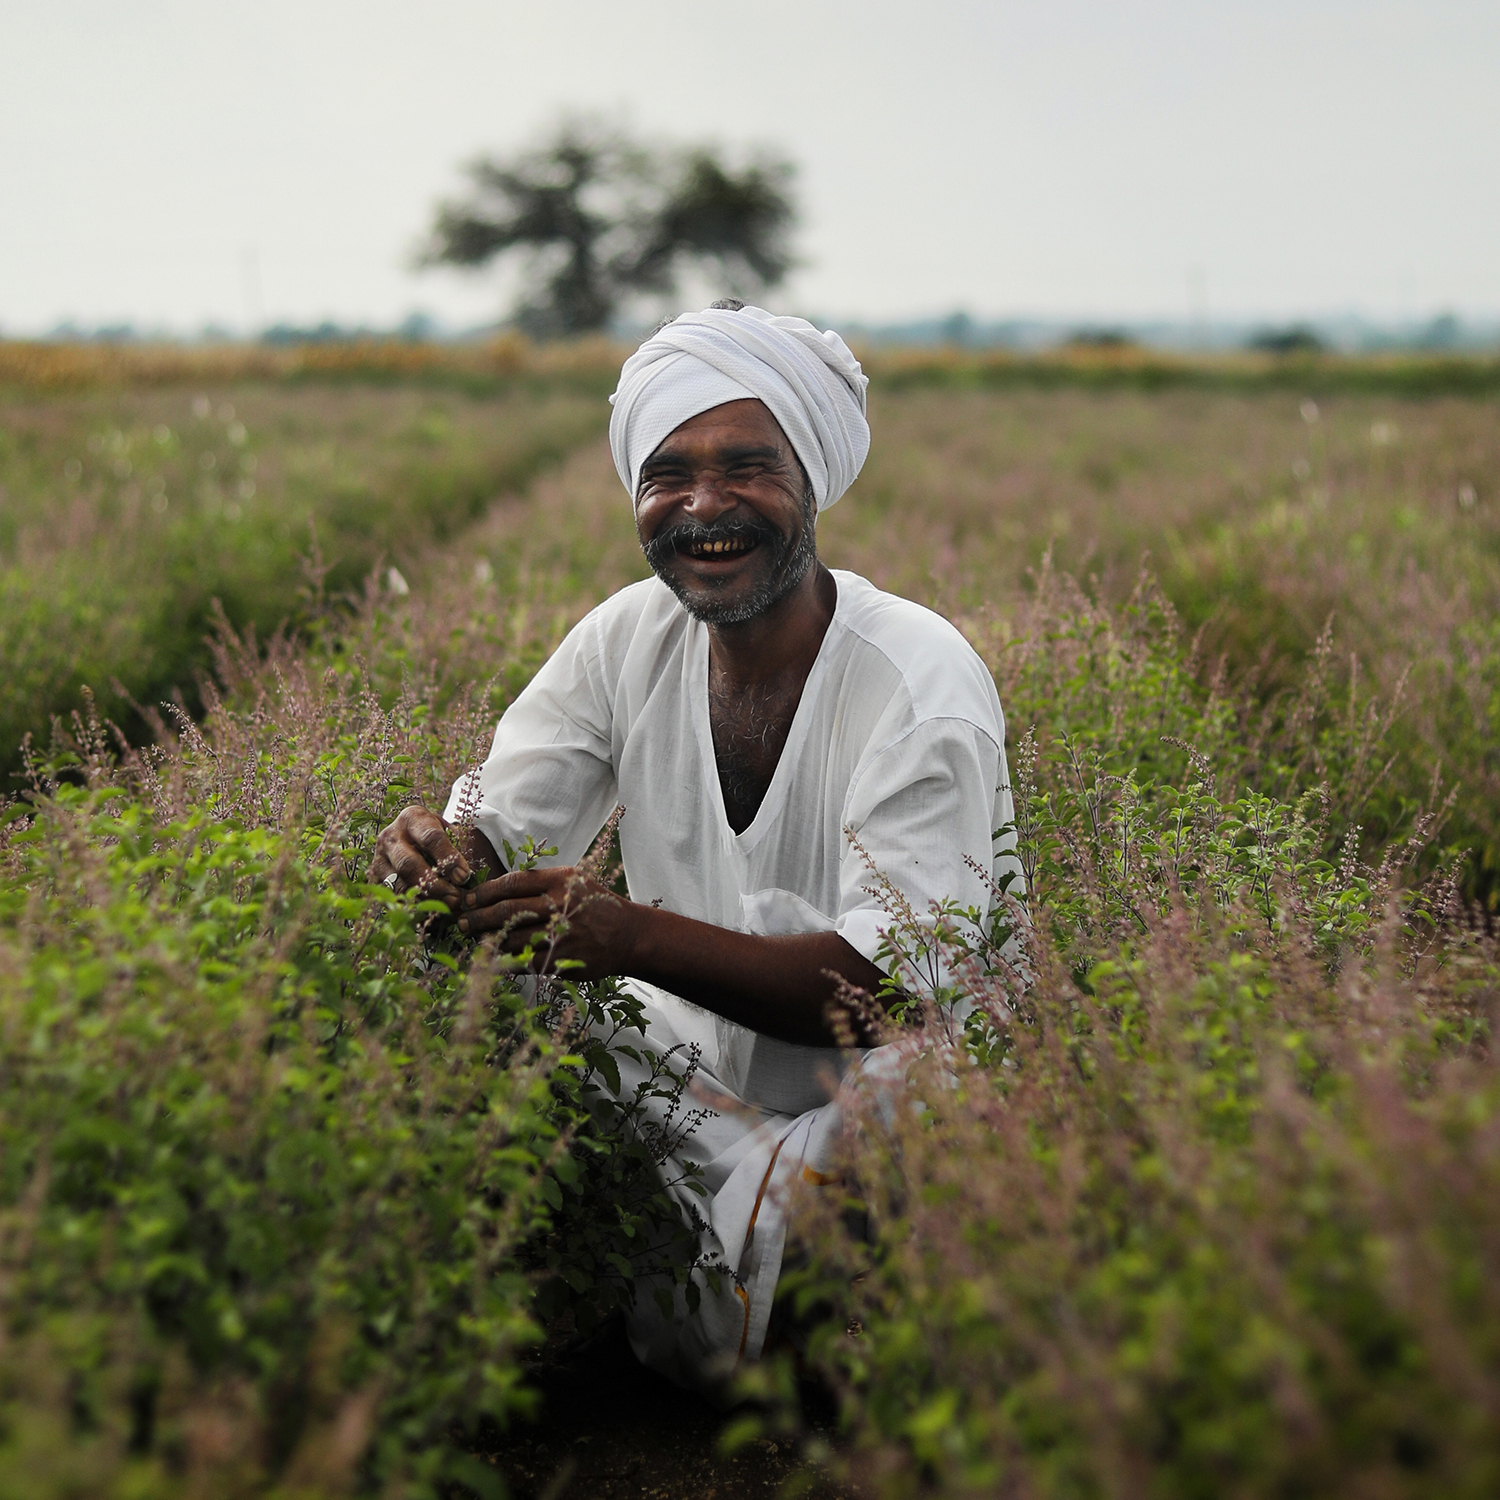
(125, 513)
(136, 488)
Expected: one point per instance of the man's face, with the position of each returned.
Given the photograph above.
(725, 514)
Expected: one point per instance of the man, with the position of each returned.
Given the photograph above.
(749, 709)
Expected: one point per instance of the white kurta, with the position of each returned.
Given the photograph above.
(898, 735)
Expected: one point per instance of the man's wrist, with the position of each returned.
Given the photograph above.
(640, 925)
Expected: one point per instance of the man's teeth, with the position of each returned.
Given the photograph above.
(717, 549)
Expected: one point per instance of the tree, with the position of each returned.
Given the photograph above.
(1298, 339)
(605, 218)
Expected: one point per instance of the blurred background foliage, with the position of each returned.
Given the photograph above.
(602, 218)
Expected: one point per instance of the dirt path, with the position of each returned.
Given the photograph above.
(611, 1429)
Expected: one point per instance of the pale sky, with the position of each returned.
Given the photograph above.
(173, 163)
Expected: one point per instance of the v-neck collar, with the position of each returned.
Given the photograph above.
(696, 671)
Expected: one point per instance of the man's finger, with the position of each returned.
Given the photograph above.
(518, 885)
(501, 914)
(435, 888)
(413, 872)
(412, 869)
(420, 875)
(432, 839)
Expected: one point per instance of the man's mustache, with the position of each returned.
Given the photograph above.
(689, 534)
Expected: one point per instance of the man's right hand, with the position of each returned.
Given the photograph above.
(415, 851)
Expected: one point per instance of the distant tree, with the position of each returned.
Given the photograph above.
(604, 218)
(1100, 338)
(957, 329)
(1298, 339)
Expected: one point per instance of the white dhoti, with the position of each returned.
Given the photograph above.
(775, 1127)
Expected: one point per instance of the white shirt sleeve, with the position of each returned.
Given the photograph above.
(917, 809)
(550, 772)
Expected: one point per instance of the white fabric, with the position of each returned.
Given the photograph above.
(751, 1159)
(898, 735)
(810, 381)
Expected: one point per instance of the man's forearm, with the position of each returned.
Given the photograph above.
(778, 985)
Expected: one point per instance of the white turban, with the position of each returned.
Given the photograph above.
(810, 381)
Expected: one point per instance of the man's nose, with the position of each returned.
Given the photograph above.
(707, 500)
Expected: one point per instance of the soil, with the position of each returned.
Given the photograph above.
(610, 1428)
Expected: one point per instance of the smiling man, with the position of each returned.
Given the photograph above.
(750, 709)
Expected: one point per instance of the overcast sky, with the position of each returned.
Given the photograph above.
(175, 163)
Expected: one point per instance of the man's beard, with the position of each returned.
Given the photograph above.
(790, 561)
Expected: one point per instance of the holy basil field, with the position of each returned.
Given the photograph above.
(299, 1191)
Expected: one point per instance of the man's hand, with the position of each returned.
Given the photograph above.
(781, 985)
(416, 852)
(598, 933)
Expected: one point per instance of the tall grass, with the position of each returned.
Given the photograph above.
(124, 517)
(294, 1186)
(292, 1181)
(1200, 1200)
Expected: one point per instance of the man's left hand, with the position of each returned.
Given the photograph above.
(782, 985)
(520, 905)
